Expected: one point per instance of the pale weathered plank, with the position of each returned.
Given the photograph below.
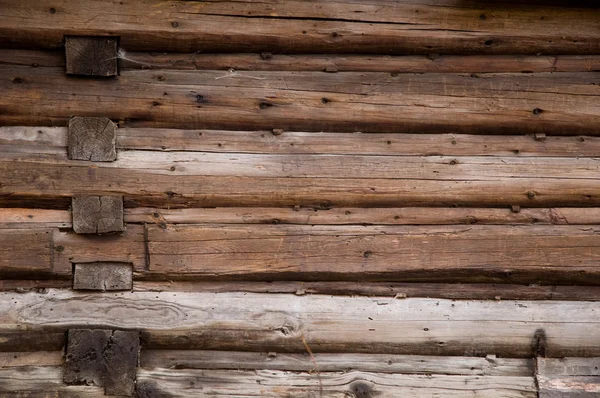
(41, 382)
(564, 103)
(17, 218)
(38, 358)
(377, 363)
(568, 377)
(279, 322)
(441, 26)
(273, 383)
(402, 253)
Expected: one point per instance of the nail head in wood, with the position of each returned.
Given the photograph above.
(104, 358)
(97, 214)
(92, 138)
(103, 276)
(91, 56)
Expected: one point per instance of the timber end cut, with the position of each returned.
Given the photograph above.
(97, 214)
(92, 138)
(103, 358)
(103, 276)
(91, 56)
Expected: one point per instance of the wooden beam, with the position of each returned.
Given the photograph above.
(97, 214)
(310, 101)
(568, 377)
(298, 26)
(38, 358)
(41, 381)
(92, 138)
(279, 322)
(91, 56)
(102, 276)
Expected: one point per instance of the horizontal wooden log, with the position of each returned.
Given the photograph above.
(39, 358)
(18, 218)
(41, 381)
(377, 363)
(566, 254)
(279, 322)
(324, 62)
(270, 383)
(183, 179)
(299, 26)
(31, 341)
(462, 291)
(563, 103)
(568, 377)
(52, 140)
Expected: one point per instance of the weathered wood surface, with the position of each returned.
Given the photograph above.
(279, 322)
(324, 62)
(568, 377)
(462, 291)
(39, 358)
(52, 140)
(91, 56)
(18, 218)
(187, 179)
(272, 383)
(102, 276)
(92, 138)
(97, 214)
(441, 26)
(565, 103)
(41, 382)
(363, 216)
(565, 254)
(377, 363)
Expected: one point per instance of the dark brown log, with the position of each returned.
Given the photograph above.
(563, 103)
(102, 358)
(437, 27)
(92, 138)
(97, 214)
(91, 56)
(102, 276)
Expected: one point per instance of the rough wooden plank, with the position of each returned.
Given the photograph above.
(552, 254)
(271, 383)
(20, 285)
(31, 341)
(456, 291)
(185, 179)
(91, 56)
(26, 250)
(92, 138)
(39, 358)
(299, 26)
(41, 382)
(278, 322)
(377, 363)
(97, 214)
(568, 377)
(566, 103)
(363, 216)
(102, 276)
(102, 358)
(34, 218)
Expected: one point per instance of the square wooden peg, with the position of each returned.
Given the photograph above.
(92, 138)
(91, 56)
(97, 214)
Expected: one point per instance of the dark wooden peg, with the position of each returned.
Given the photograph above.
(91, 56)
(92, 138)
(97, 214)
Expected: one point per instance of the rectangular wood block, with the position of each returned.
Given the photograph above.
(92, 138)
(97, 214)
(103, 276)
(104, 358)
(91, 56)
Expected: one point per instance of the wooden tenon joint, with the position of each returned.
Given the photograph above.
(103, 358)
(97, 214)
(103, 276)
(91, 56)
(92, 138)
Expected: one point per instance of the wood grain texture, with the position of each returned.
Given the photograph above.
(565, 254)
(91, 56)
(26, 250)
(565, 103)
(102, 276)
(277, 322)
(19, 218)
(376, 363)
(97, 214)
(39, 358)
(185, 179)
(272, 383)
(41, 382)
(92, 138)
(441, 26)
(568, 377)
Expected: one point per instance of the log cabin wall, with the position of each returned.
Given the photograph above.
(290, 198)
